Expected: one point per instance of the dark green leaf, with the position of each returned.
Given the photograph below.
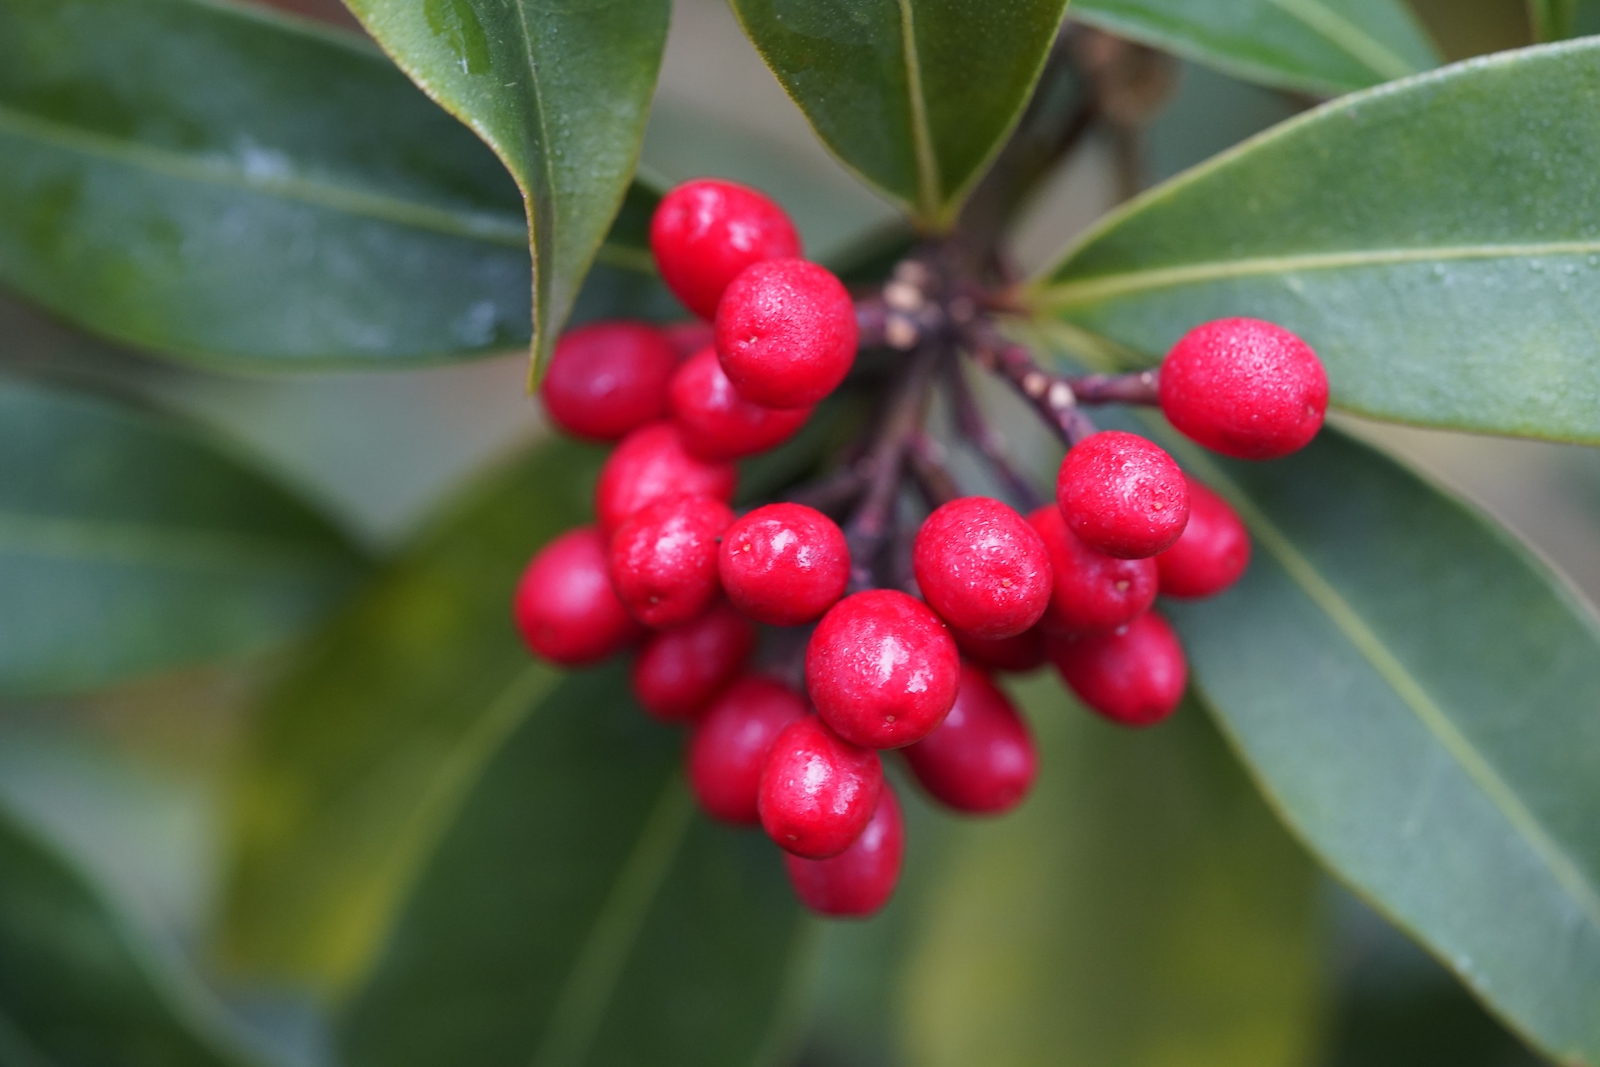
(580, 912)
(1553, 20)
(559, 90)
(1319, 46)
(129, 544)
(915, 96)
(623, 282)
(1416, 691)
(1437, 242)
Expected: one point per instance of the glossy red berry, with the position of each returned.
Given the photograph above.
(1134, 676)
(651, 463)
(716, 422)
(663, 560)
(981, 760)
(784, 564)
(818, 791)
(607, 379)
(564, 605)
(1019, 654)
(1245, 388)
(1093, 592)
(1213, 551)
(706, 231)
(882, 669)
(861, 879)
(786, 333)
(730, 744)
(1122, 495)
(680, 671)
(982, 568)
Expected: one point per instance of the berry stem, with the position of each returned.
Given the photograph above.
(991, 444)
(933, 478)
(869, 527)
(1051, 394)
(833, 493)
(1140, 387)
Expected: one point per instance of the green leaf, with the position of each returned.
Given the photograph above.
(130, 544)
(364, 750)
(75, 989)
(238, 188)
(1143, 907)
(1317, 46)
(914, 96)
(1416, 692)
(559, 90)
(1437, 242)
(580, 912)
(623, 283)
(1553, 20)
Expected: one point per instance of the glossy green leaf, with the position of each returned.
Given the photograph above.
(579, 912)
(1143, 907)
(1417, 694)
(915, 96)
(130, 543)
(234, 187)
(559, 90)
(365, 749)
(1437, 242)
(623, 283)
(1318, 46)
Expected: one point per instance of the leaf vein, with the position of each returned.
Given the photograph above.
(1347, 36)
(928, 177)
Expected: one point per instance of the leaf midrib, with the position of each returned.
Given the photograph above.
(157, 545)
(1346, 36)
(928, 183)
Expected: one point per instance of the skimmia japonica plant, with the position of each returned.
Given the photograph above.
(824, 551)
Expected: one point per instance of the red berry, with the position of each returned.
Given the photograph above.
(784, 564)
(818, 791)
(1245, 388)
(680, 671)
(861, 879)
(564, 604)
(687, 338)
(786, 333)
(882, 669)
(730, 744)
(1213, 551)
(981, 759)
(718, 423)
(607, 379)
(982, 568)
(1019, 654)
(706, 231)
(1122, 495)
(1093, 591)
(1133, 676)
(652, 463)
(663, 560)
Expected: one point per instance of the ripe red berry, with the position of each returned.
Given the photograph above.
(1133, 676)
(730, 744)
(786, 333)
(861, 879)
(818, 791)
(680, 671)
(784, 564)
(1019, 654)
(607, 379)
(1213, 551)
(1122, 495)
(982, 568)
(652, 463)
(564, 604)
(1245, 388)
(663, 560)
(706, 231)
(882, 669)
(718, 423)
(1093, 592)
(981, 759)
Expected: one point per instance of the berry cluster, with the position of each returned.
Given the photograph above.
(902, 661)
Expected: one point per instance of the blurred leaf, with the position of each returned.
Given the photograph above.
(1143, 907)
(1553, 20)
(560, 91)
(1318, 46)
(1438, 243)
(1416, 692)
(365, 749)
(580, 912)
(130, 543)
(623, 282)
(914, 96)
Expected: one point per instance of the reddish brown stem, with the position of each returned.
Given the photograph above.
(870, 525)
(1050, 394)
(1140, 387)
(990, 443)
